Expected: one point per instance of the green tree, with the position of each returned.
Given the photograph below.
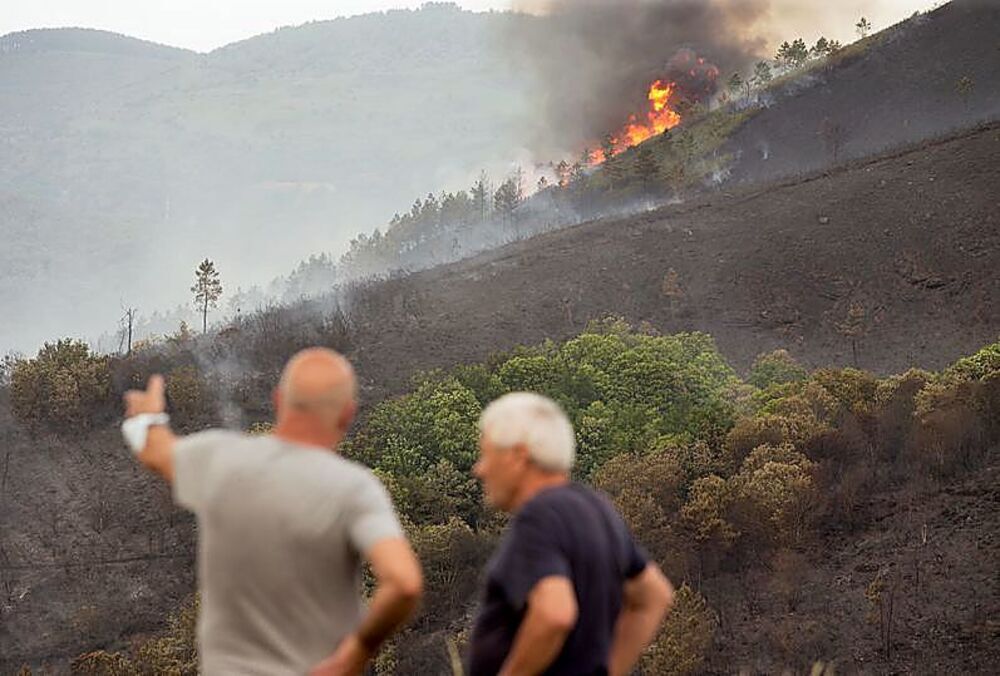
(646, 167)
(409, 435)
(509, 196)
(207, 290)
(821, 49)
(762, 74)
(792, 55)
(775, 368)
(63, 386)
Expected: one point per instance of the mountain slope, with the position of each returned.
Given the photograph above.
(929, 75)
(912, 239)
(257, 154)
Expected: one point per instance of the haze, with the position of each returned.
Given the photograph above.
(203, 26)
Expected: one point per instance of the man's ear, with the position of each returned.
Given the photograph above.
(521, 455)
(347, 415)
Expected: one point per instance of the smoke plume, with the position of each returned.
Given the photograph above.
(593, 60)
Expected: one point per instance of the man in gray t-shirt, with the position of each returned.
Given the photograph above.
(283, 525)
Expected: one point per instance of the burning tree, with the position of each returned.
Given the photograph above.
(661, 115)
(207, 290)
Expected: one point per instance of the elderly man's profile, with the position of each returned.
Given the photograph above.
(568, 590)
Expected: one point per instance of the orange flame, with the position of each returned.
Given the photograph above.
(659, 118)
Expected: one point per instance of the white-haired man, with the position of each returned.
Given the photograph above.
(283, 524)
(568, 590)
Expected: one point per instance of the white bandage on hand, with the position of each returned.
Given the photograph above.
(136, 429)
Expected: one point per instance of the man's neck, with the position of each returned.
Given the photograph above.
(304, 435)
(536, 483)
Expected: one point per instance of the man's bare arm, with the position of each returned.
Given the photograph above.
(647, 599)
(551, 615)
(158, 453)
(398, 588)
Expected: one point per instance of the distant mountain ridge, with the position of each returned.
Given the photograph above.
(86, 40)
(115, 151)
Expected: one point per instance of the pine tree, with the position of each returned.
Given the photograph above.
(762, 74)
(820, 49)
(207, 290)
(509, 195)
(481, 196)
(863, 27)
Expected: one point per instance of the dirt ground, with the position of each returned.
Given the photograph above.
(938, 544)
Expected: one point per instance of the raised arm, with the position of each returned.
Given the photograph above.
(550, 617)
(398, 588)
(157, 453)
(647, 598)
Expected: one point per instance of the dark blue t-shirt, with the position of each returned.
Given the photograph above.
(568, 531)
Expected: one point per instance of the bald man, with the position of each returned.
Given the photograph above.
(283, 525)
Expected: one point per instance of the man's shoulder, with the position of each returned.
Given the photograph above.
(572, 506)
(328, 466)
(567, 496)
(211, 439)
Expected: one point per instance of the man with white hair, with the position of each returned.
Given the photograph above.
(283, 523)
(568, 590)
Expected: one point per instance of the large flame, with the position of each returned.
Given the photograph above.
(659, 118)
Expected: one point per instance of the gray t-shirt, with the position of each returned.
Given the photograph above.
(282, 529)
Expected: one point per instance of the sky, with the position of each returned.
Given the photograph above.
(203, 25)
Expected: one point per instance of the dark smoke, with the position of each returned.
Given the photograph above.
(593, 60)
(696, 77)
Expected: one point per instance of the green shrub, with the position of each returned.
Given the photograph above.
(65, 387)
(776, 368)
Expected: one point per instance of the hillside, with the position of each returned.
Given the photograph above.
(930, 75)
(883, 261)
(896, 87)
(758, 269)
(912, 238)
(257, 154)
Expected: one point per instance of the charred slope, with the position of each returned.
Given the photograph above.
(910, 241)
(897, 87)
